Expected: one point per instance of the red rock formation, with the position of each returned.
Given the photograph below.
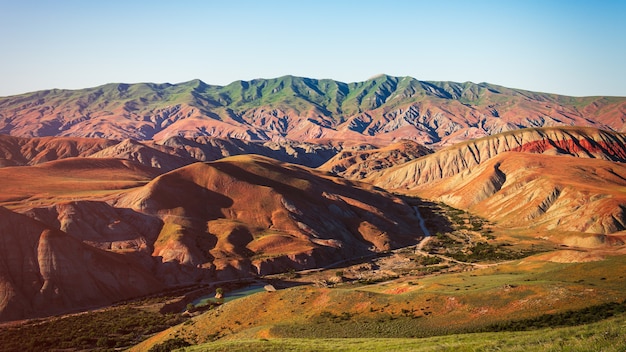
(44, 271)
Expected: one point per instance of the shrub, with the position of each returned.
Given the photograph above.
(170, 345)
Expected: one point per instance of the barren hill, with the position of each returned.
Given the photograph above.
(165, 155)
(385, 108)
(30, 151)
(542, 192)
(252, 215)
(69, 179)
(113, 224)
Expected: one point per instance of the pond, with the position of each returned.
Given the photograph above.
(230, 295)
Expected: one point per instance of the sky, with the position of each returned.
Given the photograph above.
(566, 47)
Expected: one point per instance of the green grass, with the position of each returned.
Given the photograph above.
(568, 318)
(607, 335)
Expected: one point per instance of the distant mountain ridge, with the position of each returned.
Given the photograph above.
(166, 155)
(382, 108)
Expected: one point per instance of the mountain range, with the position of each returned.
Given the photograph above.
(295, 108)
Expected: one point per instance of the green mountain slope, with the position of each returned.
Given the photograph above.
(385, 107)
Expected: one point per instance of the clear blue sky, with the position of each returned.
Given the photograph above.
(566, 47)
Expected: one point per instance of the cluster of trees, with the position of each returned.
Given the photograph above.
(170, 345)
(112, 328)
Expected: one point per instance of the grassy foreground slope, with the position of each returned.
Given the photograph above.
(606, 336)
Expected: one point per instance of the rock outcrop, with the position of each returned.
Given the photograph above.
(44, 271)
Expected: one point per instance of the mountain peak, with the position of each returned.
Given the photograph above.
(379, 75)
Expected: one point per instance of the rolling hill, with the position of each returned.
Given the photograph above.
(238, 217)
(250, 215)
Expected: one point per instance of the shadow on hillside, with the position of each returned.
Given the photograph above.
(434, 214)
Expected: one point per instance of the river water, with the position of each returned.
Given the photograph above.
(230, 295)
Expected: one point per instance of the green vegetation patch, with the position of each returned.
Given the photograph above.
(346, 325)
(170, 345)
(483, 251)
(606, 336)
(111, 328)
(568, 318)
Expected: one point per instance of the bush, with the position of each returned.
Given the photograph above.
(428, 260)
(170, 345)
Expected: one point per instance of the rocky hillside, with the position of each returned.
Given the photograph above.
(387, 108)
(541, 192)
(462, 157)
(45, 271)
(570, 179)
(359, 161)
